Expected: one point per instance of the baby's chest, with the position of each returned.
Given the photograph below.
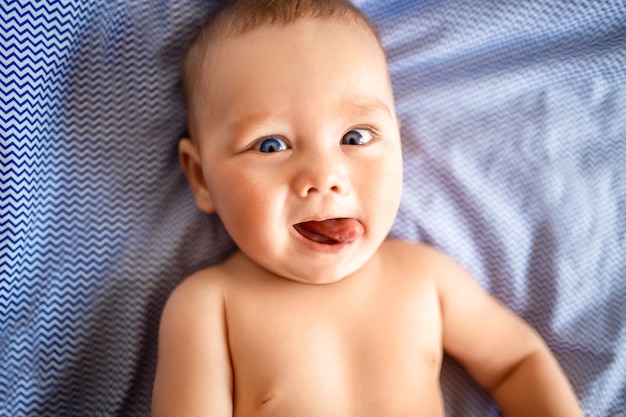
(367, 322)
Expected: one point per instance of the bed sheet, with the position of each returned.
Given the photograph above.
(514, 134)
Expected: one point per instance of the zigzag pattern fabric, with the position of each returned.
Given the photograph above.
(514, 130)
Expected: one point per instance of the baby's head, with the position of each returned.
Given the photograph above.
(294, 140)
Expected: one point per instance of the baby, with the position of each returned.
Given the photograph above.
(294, 143)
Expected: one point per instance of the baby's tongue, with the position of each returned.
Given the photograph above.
(331, 231)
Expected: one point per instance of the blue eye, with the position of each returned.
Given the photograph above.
(269, 145)
(357, 137)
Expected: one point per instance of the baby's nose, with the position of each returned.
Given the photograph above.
(320, 176)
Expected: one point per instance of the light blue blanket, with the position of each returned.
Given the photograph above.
(514, 127)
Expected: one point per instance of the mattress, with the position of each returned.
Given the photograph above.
(514, 136)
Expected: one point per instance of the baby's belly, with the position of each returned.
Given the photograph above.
(425, 401)
(341, 389)
(284, 404)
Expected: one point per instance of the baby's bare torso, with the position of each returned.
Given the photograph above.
(369, 345)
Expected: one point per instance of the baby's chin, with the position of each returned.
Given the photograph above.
(322, 271)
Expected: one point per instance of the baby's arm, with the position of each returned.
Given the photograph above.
(501, 352)
(194, 376)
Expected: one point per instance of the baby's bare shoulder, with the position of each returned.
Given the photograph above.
(411, 267)
(211, 281)
(201, 294)
(204, 282)
(415, 256)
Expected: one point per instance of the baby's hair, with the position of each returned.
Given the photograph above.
(236, 17)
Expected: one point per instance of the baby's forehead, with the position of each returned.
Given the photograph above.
(289, 45)
(230, 26)
(222, 50)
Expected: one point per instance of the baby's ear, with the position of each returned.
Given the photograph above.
(190, 161)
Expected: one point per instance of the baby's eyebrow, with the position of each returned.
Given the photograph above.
(249, 121)
(369, 106)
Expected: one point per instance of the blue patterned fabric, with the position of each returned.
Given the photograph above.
(514, 127)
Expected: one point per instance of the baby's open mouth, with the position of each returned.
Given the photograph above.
(331, 231)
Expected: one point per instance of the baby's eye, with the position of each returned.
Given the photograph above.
(269, 145)
(357, 137)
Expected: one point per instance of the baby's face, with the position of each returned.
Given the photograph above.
(297, 129)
